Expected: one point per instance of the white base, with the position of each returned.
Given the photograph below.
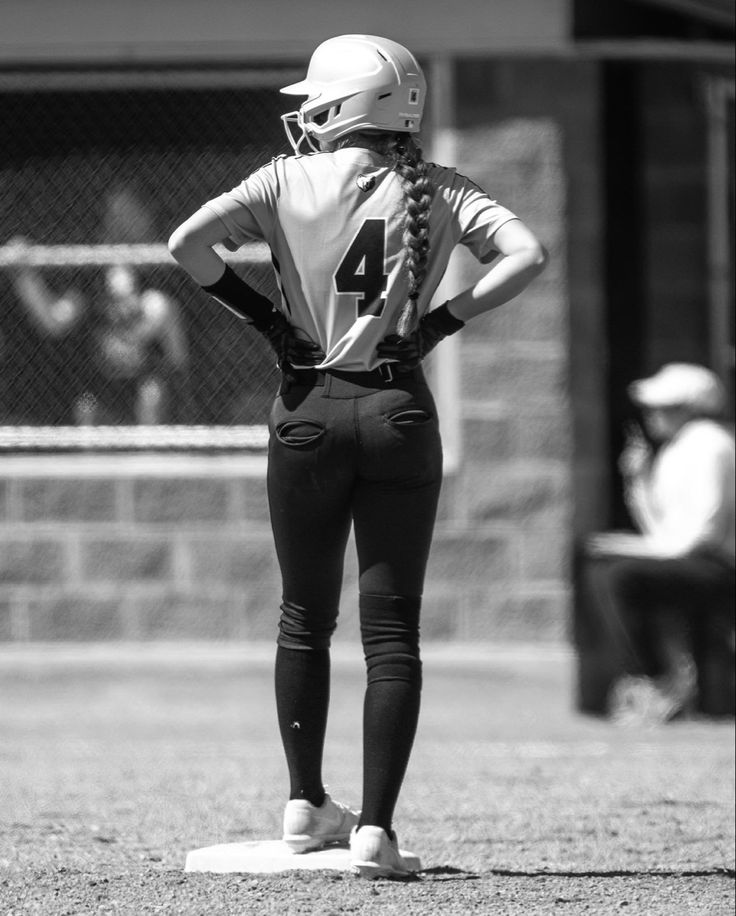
(267, 856)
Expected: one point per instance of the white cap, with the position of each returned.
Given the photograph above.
(681, 385)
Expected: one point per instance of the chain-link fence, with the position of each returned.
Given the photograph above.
(94, 333)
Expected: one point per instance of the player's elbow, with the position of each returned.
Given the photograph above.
(530, 259)
(538, 258)
(179, 244)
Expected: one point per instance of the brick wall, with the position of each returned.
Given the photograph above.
(145, 548)
(134, 548)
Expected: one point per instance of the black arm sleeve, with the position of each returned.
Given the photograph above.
(441, 320)
(241, 299)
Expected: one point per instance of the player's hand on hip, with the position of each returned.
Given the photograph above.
(432, 328)
(291, 350)
(404, 350)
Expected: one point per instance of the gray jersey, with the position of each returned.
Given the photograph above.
(334, 224)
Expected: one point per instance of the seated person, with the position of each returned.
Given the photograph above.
(659, 588)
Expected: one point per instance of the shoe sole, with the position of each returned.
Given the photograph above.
(299, 843)
(372, 870)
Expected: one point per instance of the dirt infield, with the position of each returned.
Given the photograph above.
(115, 763)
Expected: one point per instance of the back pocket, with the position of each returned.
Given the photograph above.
(409, 416)
(299, 433)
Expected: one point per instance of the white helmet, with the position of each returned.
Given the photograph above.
(357, 82)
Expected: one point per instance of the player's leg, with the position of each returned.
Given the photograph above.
(308, 486)
(394, 512)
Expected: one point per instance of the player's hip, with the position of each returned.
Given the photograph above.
(347, 423)
(336, 383)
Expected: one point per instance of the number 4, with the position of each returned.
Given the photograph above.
(362, 269)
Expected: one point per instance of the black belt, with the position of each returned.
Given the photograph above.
(382, 376)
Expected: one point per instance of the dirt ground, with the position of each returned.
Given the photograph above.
(116, 761)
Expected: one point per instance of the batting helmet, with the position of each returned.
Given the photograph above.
(357, 82)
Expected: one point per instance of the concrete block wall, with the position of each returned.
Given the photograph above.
(134, 548)
(140, 548)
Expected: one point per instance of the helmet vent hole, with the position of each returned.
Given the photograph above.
(320, 118)
(385, 95)
(413, 96)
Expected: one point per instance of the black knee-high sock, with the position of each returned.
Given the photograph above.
(302, 680)
(390, 715)
(390, 633)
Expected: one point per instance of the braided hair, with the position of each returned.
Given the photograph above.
(409, 164)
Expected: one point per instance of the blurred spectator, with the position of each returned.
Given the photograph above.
(664, 591)
(127, 219)
(136, 347)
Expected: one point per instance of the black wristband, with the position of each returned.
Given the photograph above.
(443, 320)
(241, 299)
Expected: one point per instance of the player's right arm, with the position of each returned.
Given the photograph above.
(523, 258)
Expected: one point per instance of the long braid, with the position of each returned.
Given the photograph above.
(409, 164)
(412, 168)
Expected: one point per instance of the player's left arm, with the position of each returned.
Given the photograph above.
(192, 246)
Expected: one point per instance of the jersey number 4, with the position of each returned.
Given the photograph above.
(362, 270)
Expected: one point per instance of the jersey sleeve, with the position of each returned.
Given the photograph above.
(247, 211)
(477, 217)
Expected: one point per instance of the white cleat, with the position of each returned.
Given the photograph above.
(307, 827)
(375, 854)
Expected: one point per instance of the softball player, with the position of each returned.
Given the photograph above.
(361, 228)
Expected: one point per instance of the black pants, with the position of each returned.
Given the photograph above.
(366, 455)
(626, 606)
